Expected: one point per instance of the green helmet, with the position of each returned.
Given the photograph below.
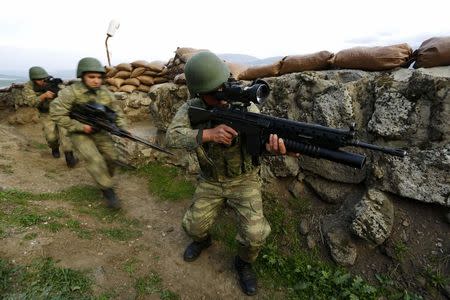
(205, 72)
(89, 64)
(36, 73)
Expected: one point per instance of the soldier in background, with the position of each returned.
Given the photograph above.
(228, 173)
(95, 147)
(36, 95)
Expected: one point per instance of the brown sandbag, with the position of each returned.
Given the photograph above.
(156, 66)
(127, 88)
(180, 79)
(150, 73)
(132, 81)
(236, 69)
(111, 73)
(124, 67)
(113, 88)
(117, 82)
(309, 62)
(143, 88)
(137, 72)
(147, 80)
(433, 52)
(140, 64)
(122, 74)
(185, 50)
(160, 80)
(261, 71)
(372, 58)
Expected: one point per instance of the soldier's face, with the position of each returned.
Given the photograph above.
(93, 80)
(210, 100)
(39, 82)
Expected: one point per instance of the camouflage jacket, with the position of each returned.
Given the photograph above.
(30, 96)
(217, 161)
(78, 93)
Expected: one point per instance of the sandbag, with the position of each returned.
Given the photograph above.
(132, 81)
(113, 88)
(140, 63)
(309, 62)
(147, 80)
(127, 88)
(24, 115)
(236, 69)
(260, 71)
(137, 72)
(117, 82)
(433, 52)
(156, 66)
(372, 58)
(111, 72)
(160, 80)
(186, 50)
(123, 74)
(143, 88)
(124, 67)
(150, 73)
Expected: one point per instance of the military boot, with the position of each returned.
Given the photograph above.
(247, 277)
(111, 199)
(55, 153)
(195, 248)
(71, 160)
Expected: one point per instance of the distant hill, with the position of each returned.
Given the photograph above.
(248, 59)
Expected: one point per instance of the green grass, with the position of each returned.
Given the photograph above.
(42, 279)
(283, 265)
(166, 182)
(39, 146)
(152, 284)
(121, 234)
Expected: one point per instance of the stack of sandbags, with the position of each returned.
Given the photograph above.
(139, 75)
(175, 66)
(433, 52)
(256, 72)
(372, 58)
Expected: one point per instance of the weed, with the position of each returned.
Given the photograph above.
(130, 265)
(400, 250)
(42, 280)
(39, 146)
(7, 169)
(166, 182)
(121, 234)
(30, 236)
(152, 284)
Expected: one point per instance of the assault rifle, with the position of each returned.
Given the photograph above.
(101, 117)
(309, 139)
(50, 84)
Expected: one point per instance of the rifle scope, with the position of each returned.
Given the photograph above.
(256, 92)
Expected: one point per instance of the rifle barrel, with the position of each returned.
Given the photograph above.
(387, 150)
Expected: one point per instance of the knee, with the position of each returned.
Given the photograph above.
(194, 227)
(256, 234)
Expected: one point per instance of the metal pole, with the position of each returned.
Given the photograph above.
(107, 51)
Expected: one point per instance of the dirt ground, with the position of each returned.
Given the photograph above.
(26, 165)
(160, 248)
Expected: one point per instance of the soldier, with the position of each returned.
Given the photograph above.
(228, 173)
(95, 147)
(36, 95)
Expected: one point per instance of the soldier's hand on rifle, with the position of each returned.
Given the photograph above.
(221, 134)
(47, 95)
(87, 129)
(277, 147)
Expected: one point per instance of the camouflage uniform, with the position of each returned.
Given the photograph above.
(54, 134)
(227, 175)
(97, 149)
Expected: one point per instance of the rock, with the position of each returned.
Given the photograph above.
(282, 166)
(24, 115)
(342, 249)
(310, 242)
(303, 227)
(374, 217)
(296, 188)
(330, 191)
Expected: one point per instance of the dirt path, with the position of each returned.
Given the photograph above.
(26, 165)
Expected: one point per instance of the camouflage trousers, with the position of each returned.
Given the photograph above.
(98, 151)
(243, 195)
(55, 135)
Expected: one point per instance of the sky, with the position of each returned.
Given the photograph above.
(56, 34)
